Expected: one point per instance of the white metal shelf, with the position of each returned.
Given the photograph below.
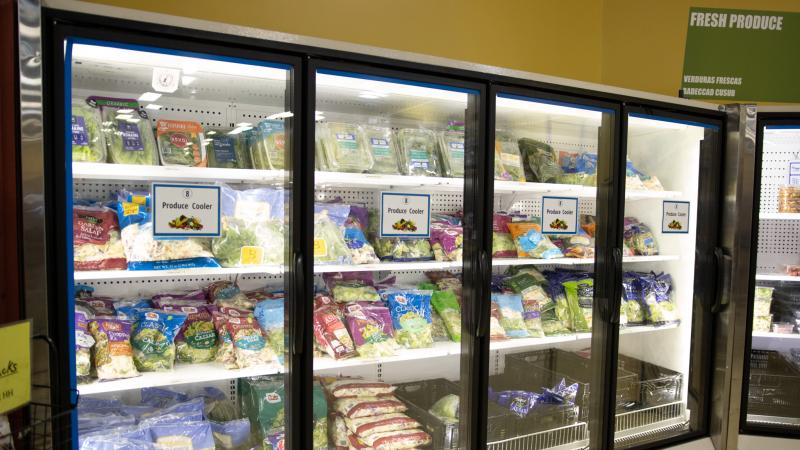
(776, 277)
(779, 216)
(393, 266)
(770, 335)
(133, 172)
(203, 271)
(182, 374)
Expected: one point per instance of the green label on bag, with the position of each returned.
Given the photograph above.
(742, 55)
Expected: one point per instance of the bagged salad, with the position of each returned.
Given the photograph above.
(530, 241)
(329, 243)
(345, 149)
(639, 238)
(383, 148)
(249, 344)
(540, 161)
(578, 168)
(446, 305)
(578, 245)
(197, 339)
(267, 145)
(330, 333)
(502, 242)
(534, 297)
(113, 355)
(451, 144)
(145, 253)
(88, 144)
(636, 179)
(180, 143)
(194, 435)
(419, 152)
(252, 227)
(226, 150)
(269, 314)
(153, 339)
(556, 314)
(580, 296)
(632, 305)
(126, 131)
(411, 316)
(397, 249)
(507, 161)
(511, 314)
(83, 342)
(657, 292)
(355, 228)
(225, 353)
(370, 326)
(96, 239)
(447, 241)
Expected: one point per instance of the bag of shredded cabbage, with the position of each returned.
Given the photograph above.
(411, 317)
(371, 328)
(225, 353)
(153, 339)
(146, 253)
(113, 355)
(184, 435)
(87, 138)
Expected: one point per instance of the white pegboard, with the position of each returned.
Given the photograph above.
(125, 288)
(532, 205)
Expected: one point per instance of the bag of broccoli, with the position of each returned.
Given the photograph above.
(267, 145)
(445, 303)
(197, 340)
(252, 227)
(225, 150)
(153, 339)
(411, 317)
(126, 131)
(88, 144)
(580, 296)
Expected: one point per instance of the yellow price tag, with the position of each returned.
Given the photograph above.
(129, 209)
(139, 199)
(15, 365)
(251, 255)
(320, 248)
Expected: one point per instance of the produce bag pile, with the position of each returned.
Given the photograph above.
(367, 415)
(647, 299)
(762, 303)
(522, 403)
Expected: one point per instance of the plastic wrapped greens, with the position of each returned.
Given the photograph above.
(371, 329)
(252, 227)
(657, 293)
(632, 301)
(383, 147)
(267, 145)
(269, 314)
(197, 340)
(180, 143)
(345, 149)
(639, 238)
(113, 356)
(153, 339)
(126, 131)
(96, 239)
(502, 243)
(445, 303)
(447, 241)
(355, 228)
(226, 150)
(578, 168)
(88, 144)
(329, 243)
(580, 296)
(411, 317)
(451, 144)
(249, 344)
(507, 161)
(540, 161)
(530, 241)
(83, 342)
(419, 151)
(511, 314)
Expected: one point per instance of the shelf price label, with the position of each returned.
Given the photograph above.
(405, 215)
(559, 215)
(794, 173)
(15, 365)
(185, 210)
(675, 218)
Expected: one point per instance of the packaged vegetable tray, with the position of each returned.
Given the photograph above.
(382, 145)
(345, 148)
(451, 144)
(126, 131)
(180, 143)
(420, 152)
(267, 145)
(225, 150)
(88, 144)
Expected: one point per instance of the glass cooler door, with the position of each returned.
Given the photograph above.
(178, 179)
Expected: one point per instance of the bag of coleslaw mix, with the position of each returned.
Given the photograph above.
(96, 239)
(144, 252)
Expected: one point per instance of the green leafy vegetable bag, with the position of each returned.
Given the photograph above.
(126, 131)
(153, 339)
(88, 144)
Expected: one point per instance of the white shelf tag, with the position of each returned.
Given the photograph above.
(405, 215)
(559, 215)
(675, 217)
(183, 210)
(794, 173)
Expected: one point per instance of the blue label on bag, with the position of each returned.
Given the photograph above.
(79, 135)
(224, 149)
(131, 139)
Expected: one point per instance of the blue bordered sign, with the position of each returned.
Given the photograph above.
(794, 173)
(559, 215)
(185, 210)
(405, 215)
(675, 217)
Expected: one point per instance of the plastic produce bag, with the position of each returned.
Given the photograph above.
(153, 339)
(188, 435)
(447, 242)
(249, 344)
(83, 343)
(445, 303)
(361, 250)
(401, 439)
(88, 144)
(580, 296)
(496, 330)
(126, 131)
(233, 434)
(331, 334)
(356, 407)
(267, 150)
(502, 242)
(419, 152)
(269, 314)
(371, 329)
(451, 144)
(579, 245)
(508, 162)
(267, 399)
(639, 238)
(530, 241)
(145, 253)
(113, 355)
(511, 314)
(411, 317)
(225, 353)
(533, 297)
(556, 314)
(197, 340)
(252, 230)
(329, 244)
(540, 161)
(226, 150)
(96, 239)
(382, 146)
(657, 293)
(446, 409)
(180, 143)
(578, 168)
(345, 149)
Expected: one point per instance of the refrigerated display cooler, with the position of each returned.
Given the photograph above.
(255, 243)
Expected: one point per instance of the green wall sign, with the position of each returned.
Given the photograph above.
(741, 55)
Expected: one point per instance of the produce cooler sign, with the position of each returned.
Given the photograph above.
(742, 55)
(559, 215)
(405, 215)
(675, 218)
(181, 210)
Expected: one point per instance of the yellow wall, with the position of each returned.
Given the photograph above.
(637, 44)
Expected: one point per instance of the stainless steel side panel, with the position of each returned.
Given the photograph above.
(736, 242)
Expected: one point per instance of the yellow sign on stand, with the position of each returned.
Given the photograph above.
(15, 365)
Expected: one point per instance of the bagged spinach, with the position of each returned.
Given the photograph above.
(87, 138)
(126, 131)
(153, 339)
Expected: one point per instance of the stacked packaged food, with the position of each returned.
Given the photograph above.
(789, 199)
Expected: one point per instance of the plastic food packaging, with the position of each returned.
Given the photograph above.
(451, 144)
(792, 270)
(225, 353)
(540, 161)
(657, 292)
(252, 227)
(225, 150)
(267, 145)
(194, 435)
(578, 168)
(579, 245)
(446, 408)
(329, 244)
(126, 131)
(371, 329)
(511, 314)
(113, 355)
(639, 238)
(88, 144)
(180, 143)
(383, 148)
(588, 224)
(269, 314)
(145, 253)
(419, 152)
(533, 297)
(789, 199)
(445, 303)
(632, 305)
(396, 440)
(637, 180)
(530, 241)
(364, 406)
(496, 330)
(83, 343)
(249, 344)
(197, 339)
(508, 162)
(447, 242)
(153, 339)
(96, 239)
(411, 317)
(354, 387)
(361, 251)
(580, 296)
(345, 148)
(367, 426)
(233, 434)
(502, 242)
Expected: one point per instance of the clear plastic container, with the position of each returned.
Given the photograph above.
(320, 160)
(419, 150)
(180, 143)
(88, 144)
(126, 131)
(382, 146)
(345, 148)
(267, 146)
(451, 144)
(508, 162)
(226, 150)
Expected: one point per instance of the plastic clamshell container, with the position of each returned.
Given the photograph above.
(419, 149)
(345, 149)
(225, 150)
(267, 145)
(451, 144)
(381, 143)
